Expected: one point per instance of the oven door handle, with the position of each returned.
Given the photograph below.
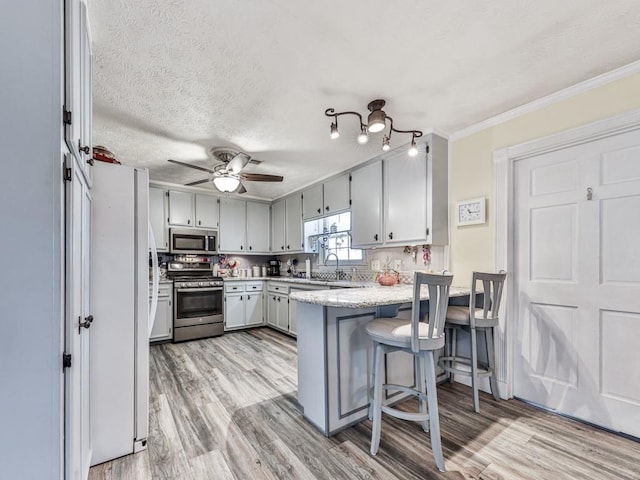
(202, 289)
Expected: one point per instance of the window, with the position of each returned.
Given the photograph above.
(333, 235)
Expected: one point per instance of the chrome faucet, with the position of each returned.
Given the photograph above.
(337, 264)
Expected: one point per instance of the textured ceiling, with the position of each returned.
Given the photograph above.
(174, 78)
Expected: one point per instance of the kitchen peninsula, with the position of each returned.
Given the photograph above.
(335, 352)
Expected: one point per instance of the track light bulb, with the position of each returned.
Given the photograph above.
(334, 131)
(385, 144)
(413, 149)
(363, 137)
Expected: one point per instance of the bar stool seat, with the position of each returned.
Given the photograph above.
(421, 339)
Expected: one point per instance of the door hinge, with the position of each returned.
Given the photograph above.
(427, 232)
(350, 178)
(350, 202)
(66, 170)
(66, 360)
(66, 116)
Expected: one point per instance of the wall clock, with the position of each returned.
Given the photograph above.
(471, 212)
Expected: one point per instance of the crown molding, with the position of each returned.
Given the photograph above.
(572, 91)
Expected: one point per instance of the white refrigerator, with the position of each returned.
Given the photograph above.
(119, 359)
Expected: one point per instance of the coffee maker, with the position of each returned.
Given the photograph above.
(273, 270)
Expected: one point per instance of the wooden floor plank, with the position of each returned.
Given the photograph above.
(226, 408)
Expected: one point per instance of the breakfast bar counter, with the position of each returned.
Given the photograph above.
(335, 352)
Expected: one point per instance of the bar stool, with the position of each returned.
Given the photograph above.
(475, 320)
(420, 339)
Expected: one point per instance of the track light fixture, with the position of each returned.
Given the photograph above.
(376, 122)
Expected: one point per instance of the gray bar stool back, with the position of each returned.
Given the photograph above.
(421, 337)
(475, 320)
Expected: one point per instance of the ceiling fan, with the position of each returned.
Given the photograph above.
(228, 176)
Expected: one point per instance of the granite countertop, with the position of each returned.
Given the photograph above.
(367, 297)
(304, 281)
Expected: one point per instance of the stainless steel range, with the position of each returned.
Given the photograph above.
(198, 309)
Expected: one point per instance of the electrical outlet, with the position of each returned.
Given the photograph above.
(375, 265)
(397, 263)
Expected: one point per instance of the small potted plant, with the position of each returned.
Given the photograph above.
(389, 276)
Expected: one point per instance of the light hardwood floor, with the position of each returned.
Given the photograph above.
(225, 408)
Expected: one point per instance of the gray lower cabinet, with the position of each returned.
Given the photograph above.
(278, 306)
(243, 304)
(163, 325)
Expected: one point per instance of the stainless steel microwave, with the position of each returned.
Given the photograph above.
(193, 241)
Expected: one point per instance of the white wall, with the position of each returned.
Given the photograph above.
(30, 240)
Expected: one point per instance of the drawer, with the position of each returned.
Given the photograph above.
(234, 287)
(279, 288)
(253, 286)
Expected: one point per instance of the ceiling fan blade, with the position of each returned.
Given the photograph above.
(190, 166)
(197, 182)
(238, 162)
(260, 177)
(241, 189)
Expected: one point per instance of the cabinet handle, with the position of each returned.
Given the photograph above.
(240, 297)
(86, 149)
(327, 208)
(188, 222)
(391, 236)
(288, 247)
(199, 222)
(375, 237)
(282, 247)
(248, 297)
(250, 247)
(278, 298)
(318, 210)
(241, 247)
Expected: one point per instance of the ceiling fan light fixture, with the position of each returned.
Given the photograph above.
(226, 183)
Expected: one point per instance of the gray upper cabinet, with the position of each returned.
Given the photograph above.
(207, 209)
(312, 205)
(258, 216)
(278, 227)
(416, 194)
(366, 208)
(158, 217)
(331, 196)
(398, 200)
(336, 194)
(233, 222)
(180, 208)
(244, 226)
(293, 230)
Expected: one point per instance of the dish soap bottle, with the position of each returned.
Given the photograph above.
(307, 268)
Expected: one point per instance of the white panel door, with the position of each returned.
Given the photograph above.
(180, 208)
(577, 215)
(158, 217)
(293, 231)
(336, 194)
